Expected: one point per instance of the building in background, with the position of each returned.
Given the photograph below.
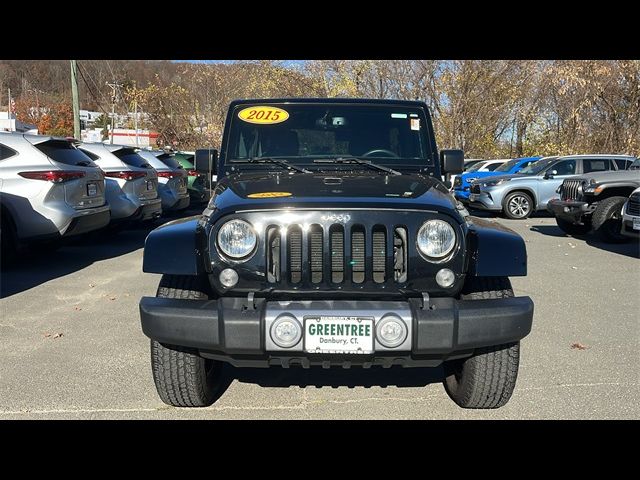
(9, 123)
(127, 136)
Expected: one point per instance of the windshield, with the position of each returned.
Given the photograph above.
(537, 167)
(505, 167)
(388, 134)
(476, 167)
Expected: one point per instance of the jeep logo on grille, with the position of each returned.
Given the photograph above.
(335, 217)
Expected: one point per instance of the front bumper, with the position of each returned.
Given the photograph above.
(462, 194)
(569, 210)
(484, 201)
(235, 331)
(627, 226)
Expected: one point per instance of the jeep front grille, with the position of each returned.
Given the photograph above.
(633, 207)
(571, 190)
(336, 254)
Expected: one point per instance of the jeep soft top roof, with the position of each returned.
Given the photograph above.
(369, 101)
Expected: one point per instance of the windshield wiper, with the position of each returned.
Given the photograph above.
(276, 161)
(367, 163)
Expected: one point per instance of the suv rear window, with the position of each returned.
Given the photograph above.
(595, 165)
(169, 161)
(64, 152)
(131, 158)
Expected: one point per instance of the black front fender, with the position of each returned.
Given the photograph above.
(175, 248)
(495, 250)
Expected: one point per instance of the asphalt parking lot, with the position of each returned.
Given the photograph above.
(72, 347)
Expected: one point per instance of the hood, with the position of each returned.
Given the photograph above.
(612, 176)
(470, 176)
(356, 190)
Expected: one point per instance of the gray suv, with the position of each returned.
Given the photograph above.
(131, 182)
(172, 180)
(48, 189)
(519, 195)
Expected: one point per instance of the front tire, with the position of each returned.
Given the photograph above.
(517, 205)
(182, 377)
(607, 220)
(487, 378)
(573, 229)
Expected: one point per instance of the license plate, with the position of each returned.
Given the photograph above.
(92, 189)
(473, 197)
(149, 185)
(334, 334)
(636, 223)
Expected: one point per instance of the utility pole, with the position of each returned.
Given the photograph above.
(135, 112)
(9, 109)
(114, 88)
(74, 98)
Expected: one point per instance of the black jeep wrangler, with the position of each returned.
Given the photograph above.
(594, 202)
(331, 240)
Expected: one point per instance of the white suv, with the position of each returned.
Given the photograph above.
(48, 189)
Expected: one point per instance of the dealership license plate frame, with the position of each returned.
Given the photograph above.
(636, 223)
(92, 189)
(149, 185)
(365, 347)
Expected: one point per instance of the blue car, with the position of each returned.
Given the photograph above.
(462, 183)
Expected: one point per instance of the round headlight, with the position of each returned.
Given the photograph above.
(436, 238)
(236, 238)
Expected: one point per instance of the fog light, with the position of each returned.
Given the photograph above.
(445, 277)
(391, 331)
(228, 277)
(286, 331)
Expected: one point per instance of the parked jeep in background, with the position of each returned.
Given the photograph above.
(519, 195)
(48, 190)
(331, 240)
(595, 202)
(631, 215)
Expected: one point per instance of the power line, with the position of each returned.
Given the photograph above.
(91, 91)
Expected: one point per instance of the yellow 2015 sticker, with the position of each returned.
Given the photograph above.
(269, 195)
(263, 114)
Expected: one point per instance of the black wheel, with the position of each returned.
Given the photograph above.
(607, 220)
(517, 205)
(183, 378)
(487, 378)
(573, 229)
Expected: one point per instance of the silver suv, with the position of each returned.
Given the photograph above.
(48, 189)
(519, 195)
(172, 180)
(131, 182)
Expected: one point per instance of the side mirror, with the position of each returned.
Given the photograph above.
(206, 161)
(550, 174)
(451, 161)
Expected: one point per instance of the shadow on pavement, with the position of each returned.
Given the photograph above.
(334, 377)
(630, 249)
(41, 264)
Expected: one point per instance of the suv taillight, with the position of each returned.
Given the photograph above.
(126, 175)
(170, 174)
(56, 176)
